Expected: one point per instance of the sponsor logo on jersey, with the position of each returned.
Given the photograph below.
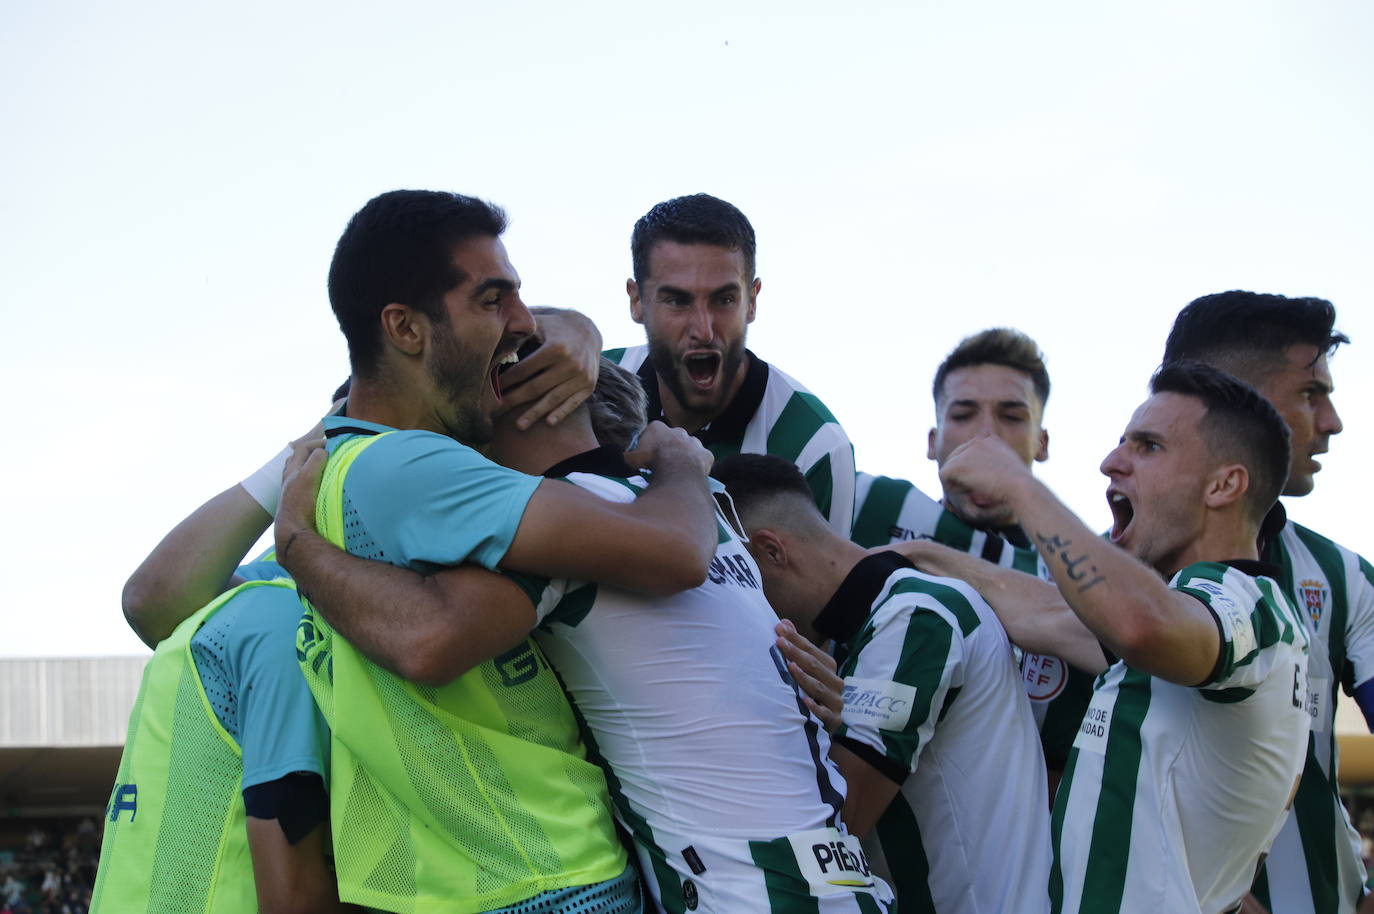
(732, 569)
(902, 534)
(1314, 598)
(518, 665)
(1043, 676)
(831, 862)
(123, 799)
(689, 894)
(877, 703)
(1097, 720)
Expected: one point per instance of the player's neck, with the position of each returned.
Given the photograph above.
(542, 445)
(1222, 539)
(385, 402)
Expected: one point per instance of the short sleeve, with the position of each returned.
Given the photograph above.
(281, 730)
(898, 685)
(1248, 621)
(427, 500)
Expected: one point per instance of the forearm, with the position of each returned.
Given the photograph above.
(193, 564)
(1034, 613)
(426, 628)
(1124, 603)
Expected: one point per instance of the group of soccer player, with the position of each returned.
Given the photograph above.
(551, 630)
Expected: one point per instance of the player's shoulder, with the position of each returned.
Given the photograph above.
(1321, 546)
(795, 396)
(628, 357)
(914, 593)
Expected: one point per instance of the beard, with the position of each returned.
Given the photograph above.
(459, 377)
(672, 371)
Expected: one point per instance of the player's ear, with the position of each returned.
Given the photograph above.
(930, 444)
(1042, 451)
(636, 306)
(753, 299)
(405, 328)
(768, 548)
(1226, 485)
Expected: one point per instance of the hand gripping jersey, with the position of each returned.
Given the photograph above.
(772, 414)
(933, 701)
(888, 510)
(1172, 793)
(1315, 864)
(175, 837)
(716, 767)
(461, 798)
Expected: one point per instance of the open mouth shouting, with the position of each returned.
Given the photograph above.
(1123, 512)
(499, 365)
(703, 367)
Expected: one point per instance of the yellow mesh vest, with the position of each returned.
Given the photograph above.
(458, 799)
(175, 837)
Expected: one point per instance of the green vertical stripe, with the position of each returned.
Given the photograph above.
(822, 483)
(788, 890)
(798, 423)
(1061, 803)
(900, 835)
(1104, 882)
(1316, 826)
(952, 532)
(1332, 564)
(615, 355)
(1026, 561)
(879, 512)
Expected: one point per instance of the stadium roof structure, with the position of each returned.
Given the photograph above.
(62, 727)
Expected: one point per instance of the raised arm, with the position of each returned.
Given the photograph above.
(1126, 604)
(1033, 612)
(659, 544)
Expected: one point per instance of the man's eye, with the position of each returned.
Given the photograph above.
(960, 417)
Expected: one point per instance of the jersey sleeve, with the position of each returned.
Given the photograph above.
(428, 500)
(898, 685)
(829, 471)
(281, 730)
(1249, 621)
(1359, 624)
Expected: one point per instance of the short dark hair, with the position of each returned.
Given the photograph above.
(997, 346)
(695, 219)
(754, 478)
(1240, 425)
(618, 405)
(1242, 332)
(399, 248)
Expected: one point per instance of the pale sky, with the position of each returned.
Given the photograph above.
(175, 177)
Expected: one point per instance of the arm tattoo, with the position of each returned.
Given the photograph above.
(1057, 547)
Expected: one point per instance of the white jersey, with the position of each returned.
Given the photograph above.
(933, 701)
(716, 767)
(1315, 866)
(889, 510)
(772, 414)
(1172, 794)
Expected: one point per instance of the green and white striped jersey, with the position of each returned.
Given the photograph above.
(716, 767)
(1314, 866)
(888, 510)
(1172, 793)
(772, 414)
(933, 702)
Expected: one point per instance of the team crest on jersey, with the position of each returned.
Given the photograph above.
(1314, 598)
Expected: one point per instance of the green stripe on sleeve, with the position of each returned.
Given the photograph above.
(879, 512)
(900, 835)
(822, 482)
(798, 423)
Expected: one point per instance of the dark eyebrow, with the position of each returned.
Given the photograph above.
(486, 285)
(1145, 436)
(683, 293)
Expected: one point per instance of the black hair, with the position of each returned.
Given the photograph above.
(399, 248)
(1242, 332)
(695, 219)
(1240, 425)
(754, 478)
(997, 346)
